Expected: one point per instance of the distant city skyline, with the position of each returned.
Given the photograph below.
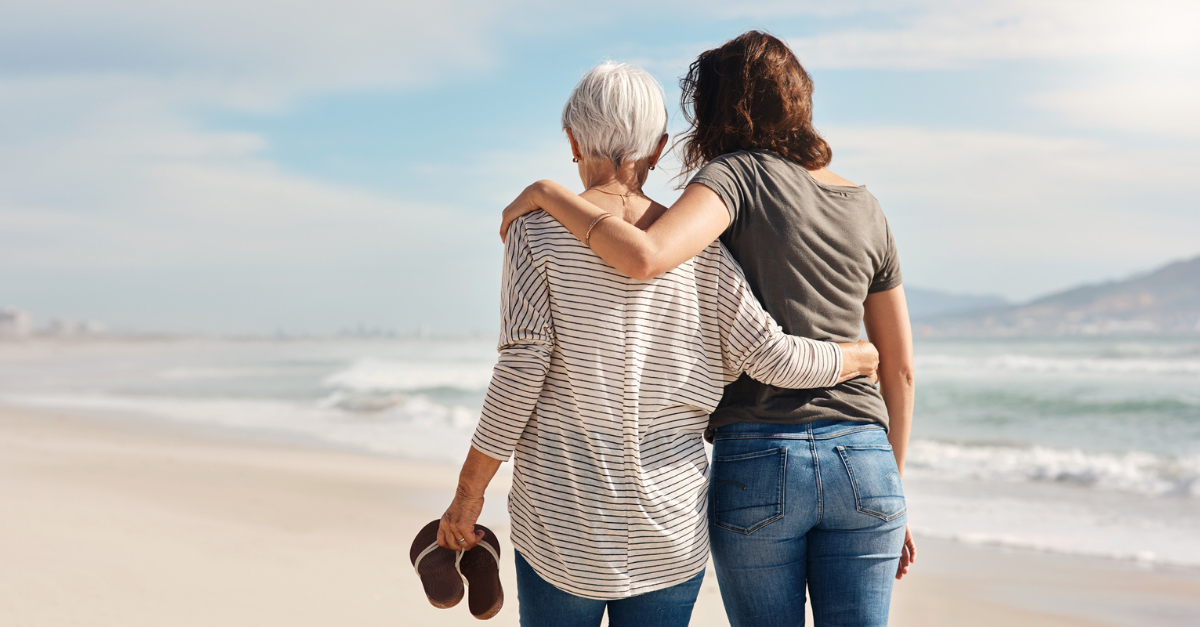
(1166, 300)
(233, 168)
(17, 323)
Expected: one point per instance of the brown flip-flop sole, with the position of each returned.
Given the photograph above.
(436, 568)
(481, 567)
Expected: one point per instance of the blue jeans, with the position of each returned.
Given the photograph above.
(543, 605)
(793, 505)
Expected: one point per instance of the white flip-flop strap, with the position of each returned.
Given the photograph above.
(417, 563)
(495, 556)
(457, 557)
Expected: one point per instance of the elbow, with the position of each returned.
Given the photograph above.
(643, 266)
(643, 273)
(897, 374)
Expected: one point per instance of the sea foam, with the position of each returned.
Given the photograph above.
(1133, 472)
(414, 427)
(1162, 366)
(380, 375)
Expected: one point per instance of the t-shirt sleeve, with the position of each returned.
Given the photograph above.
(887, 275)
(720, 176)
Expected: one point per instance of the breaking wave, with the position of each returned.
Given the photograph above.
(1133, 472)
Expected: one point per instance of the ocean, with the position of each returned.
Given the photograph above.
(1085, 446)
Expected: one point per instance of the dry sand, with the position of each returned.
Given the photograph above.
(127, 523)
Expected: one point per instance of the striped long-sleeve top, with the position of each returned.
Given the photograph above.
(603, 389)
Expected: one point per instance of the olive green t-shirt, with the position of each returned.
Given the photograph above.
(811, 252)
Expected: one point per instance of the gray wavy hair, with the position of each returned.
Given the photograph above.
(616, 112)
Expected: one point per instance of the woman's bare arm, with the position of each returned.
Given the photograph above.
(886, 319)
(459, 519)
(688, 227)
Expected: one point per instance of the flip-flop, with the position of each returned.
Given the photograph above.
(481, 568)
(437, 567)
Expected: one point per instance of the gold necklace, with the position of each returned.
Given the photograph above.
(624, 197)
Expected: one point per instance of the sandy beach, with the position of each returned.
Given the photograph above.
(128, 522)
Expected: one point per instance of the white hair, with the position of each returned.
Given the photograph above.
(616, 112)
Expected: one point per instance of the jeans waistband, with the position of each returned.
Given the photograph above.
(816, 430)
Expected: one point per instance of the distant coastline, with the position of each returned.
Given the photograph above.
(1165, 301)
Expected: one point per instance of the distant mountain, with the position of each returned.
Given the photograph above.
(923, 303)
(1166, 300)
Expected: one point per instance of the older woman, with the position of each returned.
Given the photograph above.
(605, 384)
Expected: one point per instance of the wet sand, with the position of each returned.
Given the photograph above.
(130, 523)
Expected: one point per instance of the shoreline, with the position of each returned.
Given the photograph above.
(131, 521)
(925, 483)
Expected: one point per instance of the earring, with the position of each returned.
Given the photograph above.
(651, 167)
(575, 160)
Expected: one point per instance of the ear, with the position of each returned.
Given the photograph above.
(662, 145)
(574, 146)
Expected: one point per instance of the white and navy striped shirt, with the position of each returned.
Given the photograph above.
(603, 389)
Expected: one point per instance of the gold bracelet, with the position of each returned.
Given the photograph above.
(587, 238)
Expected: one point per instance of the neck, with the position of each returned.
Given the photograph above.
(603, 174)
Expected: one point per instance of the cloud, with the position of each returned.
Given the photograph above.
(940, 35)
(258, 52)
(115, 204)
(1164, 107)
(1022, 213)
(138, 196)
(110, 182)
(115, 198)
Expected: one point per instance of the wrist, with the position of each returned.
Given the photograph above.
(866, 365)
(469, 492)
(852, 363)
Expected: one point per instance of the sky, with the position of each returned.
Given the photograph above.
(261, 166)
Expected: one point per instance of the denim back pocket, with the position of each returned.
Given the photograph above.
(876, 482)
(747, 490)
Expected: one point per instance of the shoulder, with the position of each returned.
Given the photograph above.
(538, 228)
(732, 162)
(732, 176)
(538, 239)
(716, 258)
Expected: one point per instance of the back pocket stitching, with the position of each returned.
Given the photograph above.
(779, 489)
(854, 483)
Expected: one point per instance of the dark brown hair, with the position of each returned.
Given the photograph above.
(751, 93)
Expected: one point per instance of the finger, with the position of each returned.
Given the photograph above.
(466, 532)
(475, 537)
(912, 550)
(449, 534)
